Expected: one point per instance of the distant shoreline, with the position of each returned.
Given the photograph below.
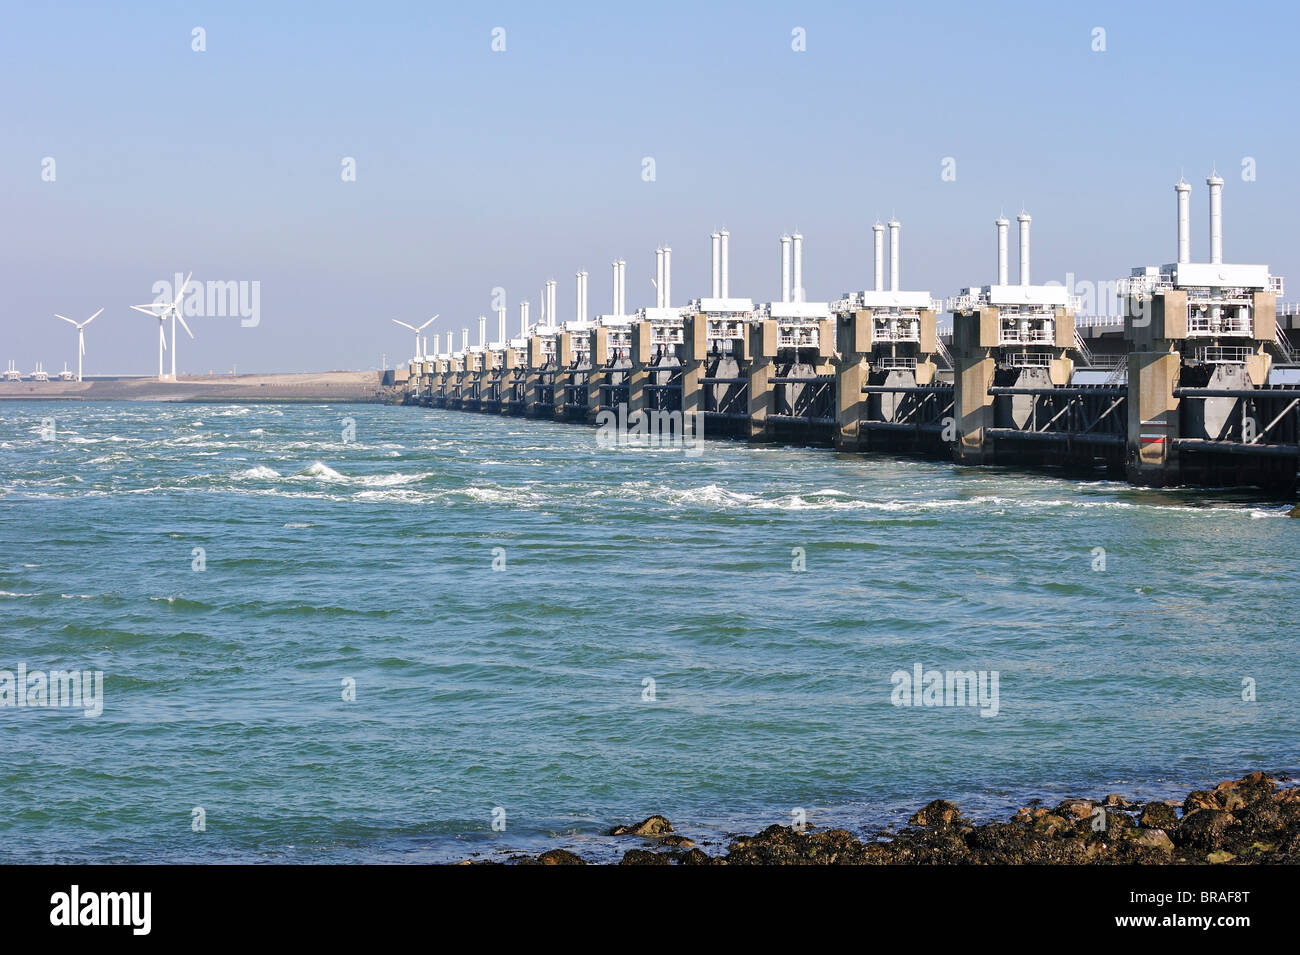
(295, 387)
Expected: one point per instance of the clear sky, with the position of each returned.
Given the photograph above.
(477, 169)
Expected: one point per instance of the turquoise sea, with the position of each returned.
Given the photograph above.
(647, 644)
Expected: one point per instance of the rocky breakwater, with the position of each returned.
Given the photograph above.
(1244, 821)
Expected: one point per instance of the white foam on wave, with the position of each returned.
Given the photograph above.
(715, 496)
(319, 469)
(388, 480)
(258, 473)
(711, 494)
(394, 496)
(516, 497)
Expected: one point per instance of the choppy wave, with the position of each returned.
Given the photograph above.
(258, 473)
(322, 471)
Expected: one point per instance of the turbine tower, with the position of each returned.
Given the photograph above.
(168, 308)
(81, 336)
(419, 351)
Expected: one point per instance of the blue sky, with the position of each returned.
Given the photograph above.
(478, 169)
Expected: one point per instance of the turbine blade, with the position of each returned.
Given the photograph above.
(162, 337)
(82, 345)
(181, 293)
(91, 319)
(183, 325)
(147, 309)
(66, 319)
(404, 325)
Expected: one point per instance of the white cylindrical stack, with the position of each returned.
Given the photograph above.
(436, 353)
(659, 278)
(726, 256)
(785, 268)
(1216, 218)
(1024, 220)
(668, 277)
(1184, 221)
(464, 339)
(622, 287)
(1003, 224)
(552, 318)
(717, 264)
(894, 227)
(879, 237)
(482, 331)
(523, 319)
(796, 243)
(501, 324)
(580, 305)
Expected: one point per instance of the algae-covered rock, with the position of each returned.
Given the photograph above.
(650, 826)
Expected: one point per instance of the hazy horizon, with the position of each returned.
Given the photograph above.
(478, 169)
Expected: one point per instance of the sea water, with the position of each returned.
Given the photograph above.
(367, 633)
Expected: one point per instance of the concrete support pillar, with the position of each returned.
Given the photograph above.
(974, 334)
(929, 332)
(599, 373)
(457, 366)
(533, 378)
(486, 376)
(639, 374)
(1263, 313)
(693, 354)
(563, 372)
(1153, 418)
(762, 363)
(507, 378)
(853, 343)
(825, 347)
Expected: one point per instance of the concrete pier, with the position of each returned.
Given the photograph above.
(853, 347)
(761, 359)
(974, 336)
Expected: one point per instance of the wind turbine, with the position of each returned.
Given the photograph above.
(172, 309)
(81, 336)
(419, 351)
